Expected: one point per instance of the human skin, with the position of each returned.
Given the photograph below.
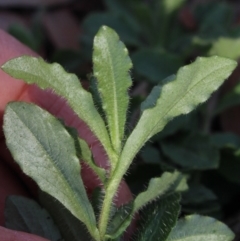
(12, 180)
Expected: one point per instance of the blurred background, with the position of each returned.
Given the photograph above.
(162, 36)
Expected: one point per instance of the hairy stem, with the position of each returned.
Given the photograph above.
(110, 192)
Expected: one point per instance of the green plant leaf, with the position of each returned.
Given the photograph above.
(226, 47)
(46, 152)
(193, 85)
(111, 68)
(24, 214)
(194, 152)
(36, 71)
(120, 221)
(160, 219)
(96, 200)
(86, 155)
(166, 184)
(71, 228)
(199, 228)
(93, 87)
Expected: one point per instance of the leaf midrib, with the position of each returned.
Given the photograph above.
(65, 181)
(179, 100)
(115, 109)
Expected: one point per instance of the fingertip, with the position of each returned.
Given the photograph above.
(12, 235)
(10, 88)
(12, 48)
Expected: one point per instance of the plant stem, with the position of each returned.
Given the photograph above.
(123, 163)
(111, 190)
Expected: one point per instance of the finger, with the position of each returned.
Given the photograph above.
(10, 88)
(11, 235)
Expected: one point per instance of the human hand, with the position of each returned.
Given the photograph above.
(12, 180)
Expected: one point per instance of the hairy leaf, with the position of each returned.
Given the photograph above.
(160, 219)
(71, 228)
(24, 214)
(193, 85)
(93, 87)
(167, 183)
(86, 155)
(199, 228)
(36, 71)
(120, 221)
(96, 200)
(46, 152)
(111, 68)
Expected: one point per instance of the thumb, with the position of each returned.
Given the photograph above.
(11, 235)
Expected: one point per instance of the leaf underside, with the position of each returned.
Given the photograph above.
(111, 69)
(163, 186)
(52, 76)
(46, 151)
(120, 221)
(160, 218)
(200, 228)
(166, 184)
(193, 85)
(33, 137)
(86, 155)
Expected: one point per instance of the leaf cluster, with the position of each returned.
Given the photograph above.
(158, 51)
(48, 151)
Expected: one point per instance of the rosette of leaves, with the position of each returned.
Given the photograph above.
(48, 151)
